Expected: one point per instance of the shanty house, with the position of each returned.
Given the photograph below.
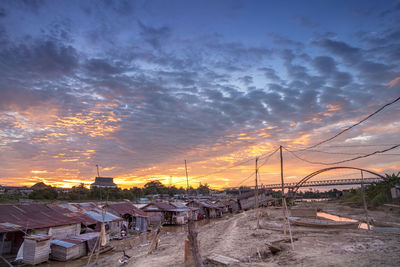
(16, 220)
(67, 249)
(247, 200)
(72, 211)
(113, 223)
(206, 209)
(134, 218)
(36, 249)
(164, 213)
(186, 212)
(230, 205)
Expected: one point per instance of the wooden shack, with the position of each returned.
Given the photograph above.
(36, 249)
(67, 249)
(247, 200)
(206, 209)
(134, 218)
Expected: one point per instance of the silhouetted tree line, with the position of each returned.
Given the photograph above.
(375, 194)
(79, 193)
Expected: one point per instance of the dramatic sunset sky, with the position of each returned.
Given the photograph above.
(137, 87)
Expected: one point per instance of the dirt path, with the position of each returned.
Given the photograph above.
(236, 236)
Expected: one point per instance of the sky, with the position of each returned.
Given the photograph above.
(138, 87)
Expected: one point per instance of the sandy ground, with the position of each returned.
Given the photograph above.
(236, 236)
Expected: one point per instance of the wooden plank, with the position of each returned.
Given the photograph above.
(220, 259)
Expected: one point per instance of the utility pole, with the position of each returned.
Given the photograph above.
(98, 173)
(256, 204)
(187, 180)
(363, 199)
(283, 193)
(284, 206)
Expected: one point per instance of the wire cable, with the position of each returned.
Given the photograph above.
(246, 179)
(234, 165)
(342, 161)
(354, 125)
(268, 157)
(345, 153)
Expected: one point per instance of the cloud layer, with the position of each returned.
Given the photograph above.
(109, 84)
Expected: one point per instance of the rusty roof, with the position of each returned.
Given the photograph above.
(31, 216)
(251, 194)
(127, 208)
(160, 205)
(72, 213)
(205, 204)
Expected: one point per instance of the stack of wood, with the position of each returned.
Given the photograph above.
(36, 249)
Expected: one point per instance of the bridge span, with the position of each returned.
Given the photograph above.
(325, 183)
(354, 181)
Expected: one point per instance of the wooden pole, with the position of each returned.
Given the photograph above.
(290, 230)
(363, 199)
(283, 193)
(194, 245)
(187, 180)
(256, 204)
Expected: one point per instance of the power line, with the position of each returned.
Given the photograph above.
(354, 125)
(342, 161)
(246, 178)
(233, 166)
(268, 157)
(345, 153)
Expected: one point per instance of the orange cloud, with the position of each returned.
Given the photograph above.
(333, 107)
(394, 82)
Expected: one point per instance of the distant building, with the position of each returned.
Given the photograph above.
(39, 186)
(18, 190)
(395, 191)
(103, 182)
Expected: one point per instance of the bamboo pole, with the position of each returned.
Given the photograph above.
(283, 192)
(192, 236)
(256, 203)
(290, 230)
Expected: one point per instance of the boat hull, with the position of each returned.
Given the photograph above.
(322, 223)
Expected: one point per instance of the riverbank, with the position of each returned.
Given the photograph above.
(236, 236)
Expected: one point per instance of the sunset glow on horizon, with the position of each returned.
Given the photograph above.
(138, 87)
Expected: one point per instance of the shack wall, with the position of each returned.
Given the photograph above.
(155, 217)
(61, 232)
(36, 252)
(64, 254)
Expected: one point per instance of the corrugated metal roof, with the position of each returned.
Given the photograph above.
(251, 193)
(72, 212)
(127, 208)
(162, 206)
(98, 216)
(31, 216)
(62, 243)
(85, 237)
(206, 204)
(38, 237)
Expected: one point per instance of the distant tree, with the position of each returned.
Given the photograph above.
(136, 192)
(204, 189)
(154, 187)
(49, 193)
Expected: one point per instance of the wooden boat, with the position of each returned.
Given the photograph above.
(307, 222)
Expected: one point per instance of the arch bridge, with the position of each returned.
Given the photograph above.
(304, 182)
